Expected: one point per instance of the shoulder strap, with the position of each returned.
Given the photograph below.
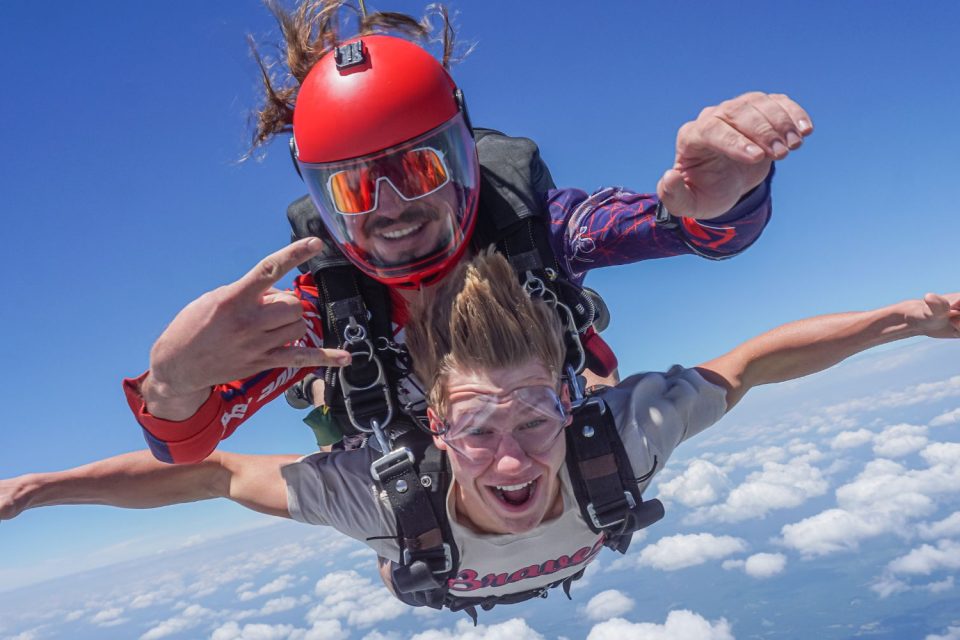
(355, 311)
(415, 479)
(602, 477)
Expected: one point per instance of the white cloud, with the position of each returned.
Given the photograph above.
(513, 629)
(765, 565)
(953, 633)
(190, 617)
(143, 600)
(830, 531)
(950, 417)
(851, 439)
(107, 616)
(681, 551)
(349, 596)
(749, 457)
(699, 484)
(379, 635)
(910, 396)
(884, 498)
(233, 631)
(323, 630)
(887, 585)
(926, 559)
(940, 586)
(274, 586)
(900, 440)
(776, 486)
(946, 528)
(679, 625)
(276, 605)
(608, 604)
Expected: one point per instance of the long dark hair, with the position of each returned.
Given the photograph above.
(312, 29)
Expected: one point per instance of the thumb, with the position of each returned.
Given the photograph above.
(675, 195)
(939, 305)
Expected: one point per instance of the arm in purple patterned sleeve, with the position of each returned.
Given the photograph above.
(614, 226)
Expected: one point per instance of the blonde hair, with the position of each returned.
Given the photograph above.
(480, 317)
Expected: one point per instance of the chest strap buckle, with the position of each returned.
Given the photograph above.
(613, 509)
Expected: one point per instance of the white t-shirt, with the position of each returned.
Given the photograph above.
(654, 412)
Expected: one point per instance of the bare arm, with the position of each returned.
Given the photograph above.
(807, 346)
(138, 481)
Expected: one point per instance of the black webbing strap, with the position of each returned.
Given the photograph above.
(602, 477)
(418, 495)
(424, 553)
(356, 312)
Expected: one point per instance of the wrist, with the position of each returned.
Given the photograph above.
(28, 493)
(914, 314)
(164, 401)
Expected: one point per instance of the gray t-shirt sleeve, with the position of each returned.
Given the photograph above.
(655, 412)
(336, 489)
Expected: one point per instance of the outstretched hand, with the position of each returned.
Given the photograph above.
(728, 150)
(937, 316)
(233, 332)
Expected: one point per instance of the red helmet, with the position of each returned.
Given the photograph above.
(383, 143)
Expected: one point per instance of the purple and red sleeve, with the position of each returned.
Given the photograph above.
(616, 226)
(229, 405)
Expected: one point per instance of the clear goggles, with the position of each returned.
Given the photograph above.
(433, 184)
(533, 417)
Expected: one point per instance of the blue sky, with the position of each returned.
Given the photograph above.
(123, 198)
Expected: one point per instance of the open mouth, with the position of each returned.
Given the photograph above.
(516, 496)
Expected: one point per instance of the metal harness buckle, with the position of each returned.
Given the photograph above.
(591, 510)
(389, 464)
(447, 559)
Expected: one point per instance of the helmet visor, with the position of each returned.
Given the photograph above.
(403, 210)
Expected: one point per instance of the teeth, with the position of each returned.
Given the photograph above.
(400, 233)
(514, 487)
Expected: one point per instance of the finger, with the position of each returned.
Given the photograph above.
(283, 335)
(272, 291)
(269, 270)
(937, 303)
(720, 137)
(779, 119)
(797, 113)
(280, 310)
(301, 357)
(754, 125)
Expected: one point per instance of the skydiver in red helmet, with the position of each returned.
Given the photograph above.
(401, 187)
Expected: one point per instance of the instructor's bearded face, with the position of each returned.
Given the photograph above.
(401, 231)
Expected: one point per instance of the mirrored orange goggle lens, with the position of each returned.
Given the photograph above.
(413, 174)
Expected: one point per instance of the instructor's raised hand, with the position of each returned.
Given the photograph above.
(233, 332)
(728, 150)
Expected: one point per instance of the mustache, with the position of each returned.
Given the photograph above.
(416, 214)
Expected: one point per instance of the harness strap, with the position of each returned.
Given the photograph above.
(355, 311)
(417, 493)
(602, 477)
